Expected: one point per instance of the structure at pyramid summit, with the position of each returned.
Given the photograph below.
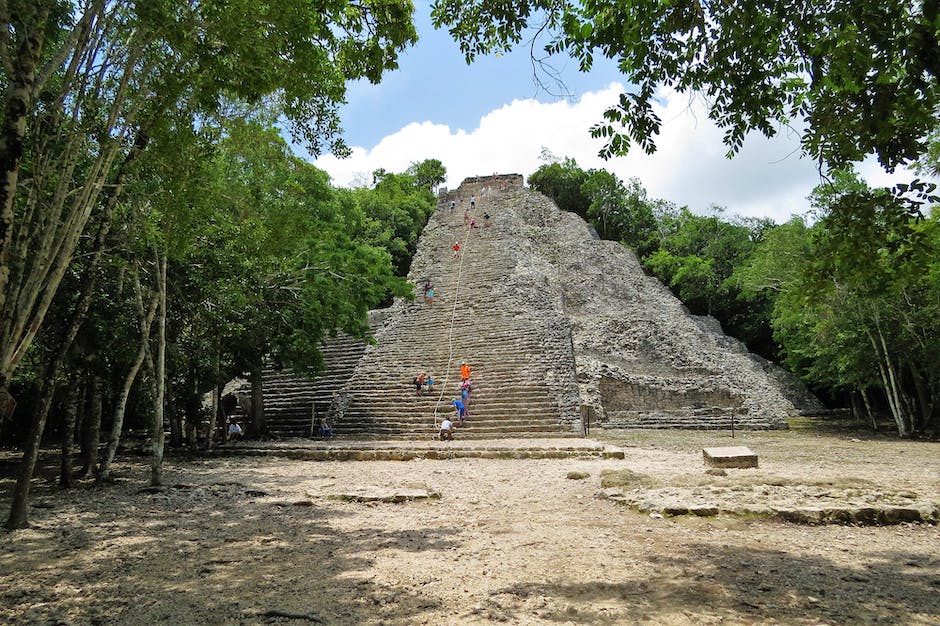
(558, 328)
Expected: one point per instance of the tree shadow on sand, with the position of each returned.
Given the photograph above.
(205, 553)
(709, 583)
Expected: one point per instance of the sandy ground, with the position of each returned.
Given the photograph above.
(260, 541)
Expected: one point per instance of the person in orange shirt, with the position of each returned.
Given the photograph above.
(464, 371)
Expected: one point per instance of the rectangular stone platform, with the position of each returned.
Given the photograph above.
(339, 449)
(735, 456)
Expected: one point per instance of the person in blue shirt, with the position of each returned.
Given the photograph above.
(461, 409)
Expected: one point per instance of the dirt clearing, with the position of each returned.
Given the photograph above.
(275, 541)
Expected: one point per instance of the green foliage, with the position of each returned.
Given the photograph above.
(428, 173)
(266, 259)
(625, 214)
(855, 298)
(562, 183)
(697, 257)
(861, 76)
(112, 78)
(291, 54)
(694, 255)
(396, 211)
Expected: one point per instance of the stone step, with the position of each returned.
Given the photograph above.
(477, 401)
(339, 449)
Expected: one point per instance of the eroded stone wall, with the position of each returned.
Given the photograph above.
(641, 358)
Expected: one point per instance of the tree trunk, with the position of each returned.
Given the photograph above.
(104, 472)
(901, 416)
(72, 402)
(258, 425)
(871, 416)
(221, 418)
(924, 399)
(191, 411)
(19, 507)
(18, 512)
(92, 432)
(214, 415)
(17, 109)
(175, 418)
(888, 379)
(157, 436)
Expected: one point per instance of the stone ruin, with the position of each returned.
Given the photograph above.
(565, 330)
(642, 359)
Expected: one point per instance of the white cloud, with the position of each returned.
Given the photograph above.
(766, 178)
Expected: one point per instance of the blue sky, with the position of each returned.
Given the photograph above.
(434, 83)
(491, 117)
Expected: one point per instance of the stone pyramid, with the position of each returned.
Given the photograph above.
(558, 327)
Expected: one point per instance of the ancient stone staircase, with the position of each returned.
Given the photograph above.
(556, 325)
(292, 400)
(514, 360)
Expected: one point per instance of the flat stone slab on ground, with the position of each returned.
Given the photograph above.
(732, 456)
(386, 494)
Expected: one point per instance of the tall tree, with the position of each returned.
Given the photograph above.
(428, 173)
(855, 298)
(86, 80)
(396, 210)
(622, 213)
(562, 182)
(113, 69)
(859, 76)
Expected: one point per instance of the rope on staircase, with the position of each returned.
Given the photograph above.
(464, 248)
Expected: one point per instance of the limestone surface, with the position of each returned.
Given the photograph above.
(559, 327)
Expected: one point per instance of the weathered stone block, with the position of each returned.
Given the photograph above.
(735, 456)
(901, 514)
(801, 515)
(704, 510)
(675, 510)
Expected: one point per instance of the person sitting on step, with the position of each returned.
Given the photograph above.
(235, 431)
(447, 430)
